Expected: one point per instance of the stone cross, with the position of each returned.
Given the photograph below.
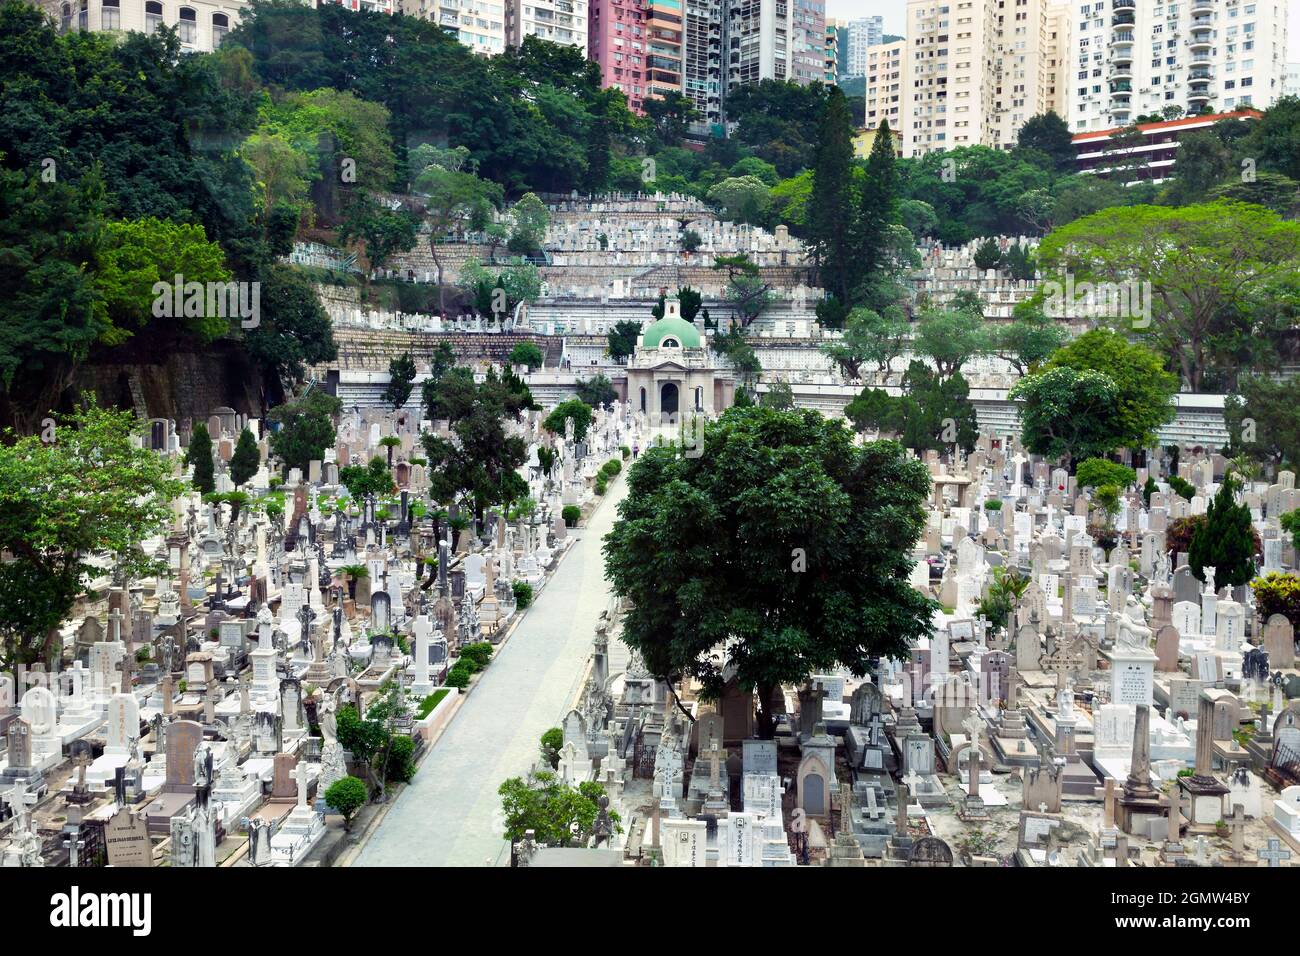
(300, 773)
(1238, 824)
(1274, 854)
(972, 726)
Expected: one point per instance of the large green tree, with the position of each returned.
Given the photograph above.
(1263, 419)
(781, 550)
(89, 491)
(832, 201)
(1067, 412)
(1049, 134)
(479, 463)
(558, 814)
(454, 198)
(1144, 391)
(869, 336)
(401, 381)
(306, 429)
(1207, 267)
(949, 338)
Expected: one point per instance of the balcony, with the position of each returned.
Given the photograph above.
(1123, 18)
(1200, 74)
(1120, 72)
(1121, 38)
(1198, 96)
(1202, 7)
(1124, 4)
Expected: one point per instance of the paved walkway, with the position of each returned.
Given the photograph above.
(450, 815)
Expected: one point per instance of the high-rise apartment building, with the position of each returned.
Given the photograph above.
(886, 87)
(200, 24)
(863, 34)
(977, 69)
(616, 42)
(702, 62)
(559, 21)
(1132, 60)
(1031, 59)
(479, 24)
(775, 40)
(665, 25)
(832, 62)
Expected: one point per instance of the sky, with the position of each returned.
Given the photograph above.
(895, 13)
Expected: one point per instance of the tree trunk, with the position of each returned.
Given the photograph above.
(766, 724)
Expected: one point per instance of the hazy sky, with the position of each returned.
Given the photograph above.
(895, 13)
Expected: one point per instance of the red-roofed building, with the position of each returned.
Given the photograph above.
(1149, 155)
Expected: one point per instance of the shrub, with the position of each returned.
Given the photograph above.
(612, 467)
(993, 504)
(345, 797)
(429, 703)
(1181, 487)
(523, 594)
(1178, 536)
(627, 452)
(457, 677)
(1096, 472)
(1148, 490)
(571, 514)
(601, 486)
(552, 741)
(1278, 593)
(401, 763)
(1227, 541)
(480, 654)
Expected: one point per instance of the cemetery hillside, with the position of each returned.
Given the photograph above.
(628, 433)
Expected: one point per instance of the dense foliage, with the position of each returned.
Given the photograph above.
(783, 540)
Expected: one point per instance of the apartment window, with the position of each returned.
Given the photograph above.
(153, 16)
(65, 18)
(83, 16)
(220, 27)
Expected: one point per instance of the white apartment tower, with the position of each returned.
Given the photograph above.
(1135, 59)
(978, 69)
(1031, 51)
(478, 24)
(560, 21)
(886, 90)
(775, 40)
(863, 34)
(952, 75)
(201, 25)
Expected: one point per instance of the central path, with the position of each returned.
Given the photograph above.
(450, 814)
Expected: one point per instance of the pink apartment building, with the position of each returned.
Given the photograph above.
(616, 41)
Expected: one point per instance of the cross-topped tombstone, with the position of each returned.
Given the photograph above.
(1237, 822)
(973, 726)
(1274, 853)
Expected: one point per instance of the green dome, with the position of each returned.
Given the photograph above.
(686, 335)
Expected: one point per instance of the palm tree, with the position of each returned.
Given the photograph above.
(390, 442)
(354, 573)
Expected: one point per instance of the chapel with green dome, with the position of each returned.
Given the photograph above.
(672, 372)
